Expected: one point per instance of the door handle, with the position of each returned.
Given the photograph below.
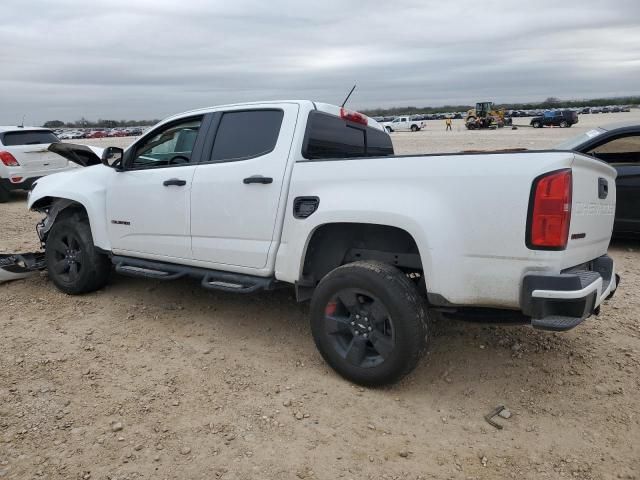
(258, 179)
(603, 188)
(174, 181)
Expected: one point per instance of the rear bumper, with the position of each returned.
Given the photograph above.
(562, 301)
(24, 184)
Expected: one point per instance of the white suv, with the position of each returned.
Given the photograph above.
(24, 157)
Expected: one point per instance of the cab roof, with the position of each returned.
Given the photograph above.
(309, 104)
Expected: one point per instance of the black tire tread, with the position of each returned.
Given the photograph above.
(97, 276)
(401, 287)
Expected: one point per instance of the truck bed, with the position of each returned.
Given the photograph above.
(467, 213)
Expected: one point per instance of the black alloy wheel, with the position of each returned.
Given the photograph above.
(369, 322)
(68, 257)
(360, 328)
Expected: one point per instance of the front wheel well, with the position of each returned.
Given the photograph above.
(335, 244)
(47, 204)
(55, 208)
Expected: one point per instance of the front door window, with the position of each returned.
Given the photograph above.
(170, 146)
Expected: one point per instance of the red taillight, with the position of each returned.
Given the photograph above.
(550, 211)
(8, 159)
(353, 116)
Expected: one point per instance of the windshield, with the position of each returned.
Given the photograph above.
(578, 140)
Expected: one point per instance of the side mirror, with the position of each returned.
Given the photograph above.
(112, 157)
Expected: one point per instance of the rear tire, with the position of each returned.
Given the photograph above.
(388, 129)
(369, 322)
(414, 128)
(563, 124)
(4, 194)
(74, 264)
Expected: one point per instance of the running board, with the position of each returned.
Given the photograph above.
(146, 272)
(211, 279)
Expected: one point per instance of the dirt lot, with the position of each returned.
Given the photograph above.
(166, 380)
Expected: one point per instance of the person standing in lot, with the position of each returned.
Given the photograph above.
(447, 122)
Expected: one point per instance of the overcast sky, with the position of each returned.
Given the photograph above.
(140, 59)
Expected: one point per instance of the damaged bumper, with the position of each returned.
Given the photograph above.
(20, 265)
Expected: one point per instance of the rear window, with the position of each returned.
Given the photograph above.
(328, 136)
(246, 134)
(28, 137)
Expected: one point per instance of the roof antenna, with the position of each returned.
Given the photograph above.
(345, 100)
(22, 124)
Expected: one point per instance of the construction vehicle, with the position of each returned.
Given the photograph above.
(485, 115)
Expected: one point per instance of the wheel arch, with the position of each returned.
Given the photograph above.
(55, 207)
(330, 245)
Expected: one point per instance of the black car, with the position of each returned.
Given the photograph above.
(619, 146)
(558, 118)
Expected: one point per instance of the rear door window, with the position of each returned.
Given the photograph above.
(28, 137)
(328, 136)
(246, 134)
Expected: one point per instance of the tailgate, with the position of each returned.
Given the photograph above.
(592, 210)
(37, 158)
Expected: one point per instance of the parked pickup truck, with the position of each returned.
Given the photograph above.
(254, 196)
(404, 124)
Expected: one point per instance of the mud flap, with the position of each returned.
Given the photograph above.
(20, 265)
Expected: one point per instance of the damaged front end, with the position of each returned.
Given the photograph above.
(20, 265)
(51, 212)
(15, 266)
(83, 155)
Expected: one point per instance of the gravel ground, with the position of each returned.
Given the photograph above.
(165, 380)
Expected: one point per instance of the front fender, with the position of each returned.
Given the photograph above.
(86, 187)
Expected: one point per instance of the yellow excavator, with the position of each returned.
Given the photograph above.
(485, 115)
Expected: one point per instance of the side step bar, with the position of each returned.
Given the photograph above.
(211, 279)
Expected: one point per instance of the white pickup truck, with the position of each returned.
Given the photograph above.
(404, 124)
(254, 196)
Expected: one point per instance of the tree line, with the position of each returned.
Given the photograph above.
(551, 102)
(100, 123)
